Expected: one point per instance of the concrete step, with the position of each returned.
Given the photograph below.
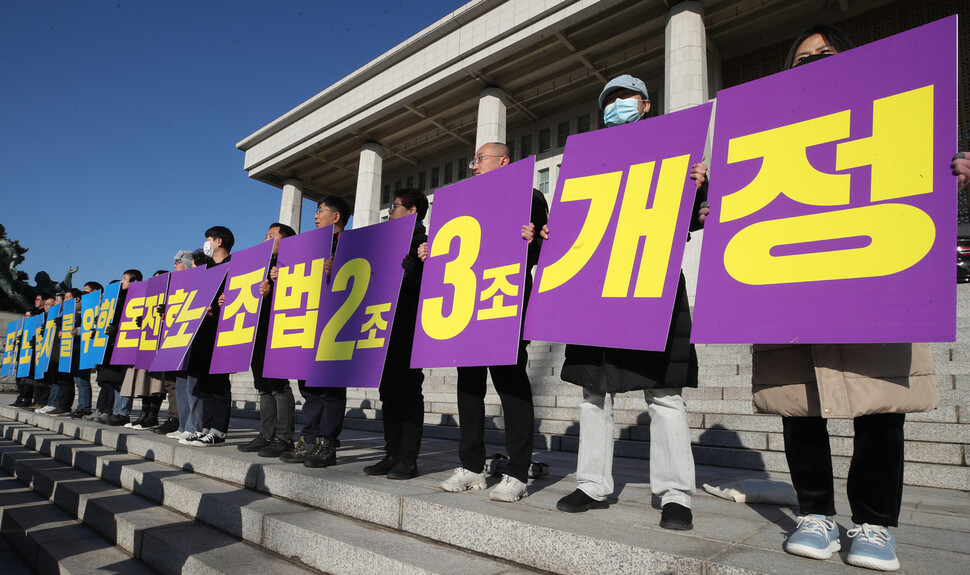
(40, 537)
(727, 537)
(171, 517)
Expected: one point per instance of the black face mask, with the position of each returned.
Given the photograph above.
(811, 58)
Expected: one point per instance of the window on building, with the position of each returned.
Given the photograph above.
(435, 175)
(545, 140)
(544, 180)
(600, 124)
(526, 146)
(397, 186)
(449, 173)
(423, 181)
(582, 124)
(410, 181)
(512, 151)
(462, 168)
(386, 195)
(562, 132)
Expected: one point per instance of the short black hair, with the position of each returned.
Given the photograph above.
(44, 296)
(413, 198)
(832, 35)
(76, 292)
(337, 204)
(95, 286)
(285, 230)
(159, 272)
(133, 275)
(222, 233)
(199, 259)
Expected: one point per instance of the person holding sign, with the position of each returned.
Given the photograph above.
(603, 372)
(511, 381)
(402, 404)
(873, 384)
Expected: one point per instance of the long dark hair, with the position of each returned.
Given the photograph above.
(832, 35)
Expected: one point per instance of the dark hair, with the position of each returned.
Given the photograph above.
(133, 275)
(95, 286)
(285, 230)
(199, 259)
(413, 198)
(337, 204)
(159, 272)
(44, 296)
(222, 233)
(832, 35)
(76, 292)
(113, 282)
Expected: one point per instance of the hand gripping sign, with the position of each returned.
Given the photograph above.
(151, 323)
(297, 299)
(238, 319)
(474, 278)
(45, 347)
(618, 224)
(354, 326)
(832, 207)
(129, 330)
(190, 293)
(96, 314)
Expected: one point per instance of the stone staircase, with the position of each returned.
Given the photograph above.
(80, 497)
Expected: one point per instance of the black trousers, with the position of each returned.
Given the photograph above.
(25, 387)
(324, 409)
(402, 403)
(875, 482)
(109, 381)
(215, 391)
(512, 385)
(277, 407)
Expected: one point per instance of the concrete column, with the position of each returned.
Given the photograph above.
(686, 85)
(491, 117)
(291, 206)
(685, 57)
(367, 202)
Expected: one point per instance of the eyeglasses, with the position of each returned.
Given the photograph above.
(481, 158)
(322, 209)
(394, 206)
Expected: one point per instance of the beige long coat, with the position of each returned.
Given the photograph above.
(843, 380)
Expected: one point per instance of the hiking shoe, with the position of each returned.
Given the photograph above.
(295, 455)
(255, 445)
(578, 501)
(406, 468)
(463, 480)
(171, 424)
(508, 490)
(677, 517)
(873, 547)
(382, 466)
(145, 423)
(276, 447)
(815, 536)
(80, 413)
(138, 421)
(117, 420)
(60, 411)
(322, 454)
(208, 440)
(187, 440)
(93, 416)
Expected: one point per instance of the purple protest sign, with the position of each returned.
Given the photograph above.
(618, 224)
(129, 332)
(184, 312)
(96, 313)
(357, 313)
(833, 214)
(239, 317)
(297, 298)
(473, 284)
(151, 325)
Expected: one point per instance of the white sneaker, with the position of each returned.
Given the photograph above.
(45, 409)
(188, 439)
(463, 480)
(175, 434)
(509, 490)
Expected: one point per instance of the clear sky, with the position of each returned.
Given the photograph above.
(119, 120)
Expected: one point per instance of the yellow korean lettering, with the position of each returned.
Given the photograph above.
(655, 225)
(174, 305)
(900, 149)
(375, 323)
(459, 274)
(329, 348)
(134, 308)
(602, 191)
(785, 168)
(297, 331)
(244, 300)
(47, 345)
(497, 290)
(186, 314)
(67, 341)
(151, 323)
(900, 236)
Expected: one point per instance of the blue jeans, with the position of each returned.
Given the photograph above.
(54, 395)
(122, 404)
(83, 392)
(189, 406)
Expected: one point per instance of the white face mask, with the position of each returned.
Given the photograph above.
(207, 248)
